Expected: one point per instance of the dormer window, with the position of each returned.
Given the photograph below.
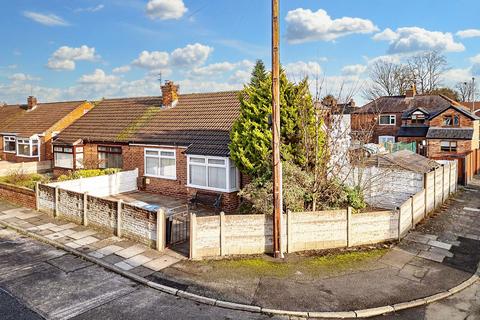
(451, 121)
(418, 117)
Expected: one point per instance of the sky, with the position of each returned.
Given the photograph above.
(88, 49)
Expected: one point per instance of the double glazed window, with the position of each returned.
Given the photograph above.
(451, 121)
(9, 144)
(418, 117)
(387, 119)
(160, 163)
(449, 146)
(64, 157)
(110, 157)
(27, 147)
(385, 139)
(212, 173)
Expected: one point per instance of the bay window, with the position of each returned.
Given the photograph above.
(212, 173)
(10, 144)
(161, 163)
(110, 157)
(27, 147)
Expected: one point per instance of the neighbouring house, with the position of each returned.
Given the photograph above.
(178, 142)
(474, 107)
(437, 124)
(26, 131)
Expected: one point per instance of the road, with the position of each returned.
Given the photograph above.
(38, 281)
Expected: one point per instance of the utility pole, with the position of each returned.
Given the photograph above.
(277, 164)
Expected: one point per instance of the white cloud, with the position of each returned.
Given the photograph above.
(22, 77)
(166, 9)
(152, 60)
(453, 76)
(97, 77)
(304, 25)
(191, 55)
(122, 69)
(414, 39)
(45, 19)
(64, 58)
(354, 69)
(468, 33)
(91, 9)
(475, 59)
(221, 68)
(300, 69)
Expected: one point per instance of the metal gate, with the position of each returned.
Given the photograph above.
(178, 225)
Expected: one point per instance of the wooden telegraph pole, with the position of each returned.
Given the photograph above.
(277, 165)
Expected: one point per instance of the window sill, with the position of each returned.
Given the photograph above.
(65, 168)
(22, 156)
(13, 152)
(160, 177)
(212, 189)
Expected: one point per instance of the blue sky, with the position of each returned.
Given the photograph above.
(88, 49)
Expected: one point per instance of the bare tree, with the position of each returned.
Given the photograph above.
(466, 91)
(387, 79)
(427, 69)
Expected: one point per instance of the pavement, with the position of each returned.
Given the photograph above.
(441, 253)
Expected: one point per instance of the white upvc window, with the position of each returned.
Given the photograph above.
(10, 144)
(386, 120)
(212, 173)
(28, 147)
(384, 139)
(161, 163)
(64, 155)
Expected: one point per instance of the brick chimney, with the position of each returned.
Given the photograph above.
(169, 94)
(31, 102)
(410, 93)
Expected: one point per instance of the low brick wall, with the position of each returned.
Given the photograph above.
(18, 195)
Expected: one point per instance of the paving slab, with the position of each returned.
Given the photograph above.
(131, 251)
(124, 266)
(46, 226)
(161, 263)
(82, 234)
(137, 260)
(439, 244)
(86, 240)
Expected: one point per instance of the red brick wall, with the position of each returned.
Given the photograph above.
(463, 147)
(465, 122)
(369, 122)
(21, 196)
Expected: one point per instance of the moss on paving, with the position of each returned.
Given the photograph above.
(311, 266)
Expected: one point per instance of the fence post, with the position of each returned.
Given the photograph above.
(289, 232)
(222, 234)
(55, 211)
(119, 218)
(399, 223)
(85, 209)
(425, 197)
(161, 234)
(193, 230)
(37, 196)
(349, 226)
(412, 212)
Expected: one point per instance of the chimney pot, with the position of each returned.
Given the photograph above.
(169, 94)
(31, 102)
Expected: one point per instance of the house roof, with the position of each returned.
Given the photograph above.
(450, 133)
(400, 104)
(460, 109)
(16, 119)
(200, 121)
(406, 160)
(413, 131)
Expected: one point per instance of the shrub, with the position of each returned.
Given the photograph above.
(87, 174)
(355, 198)
(22, 179)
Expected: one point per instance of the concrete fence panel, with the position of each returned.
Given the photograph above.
(46, 201)
(102, 186)
(418, 206)
(406, 220)
(453, 177)
(70, 205)
(102, 213)
(446, 181)
(430, 191)
(373, 227)
(205, 237)
(318, 230)
(248, 234)
(438, 187)
(139, 224)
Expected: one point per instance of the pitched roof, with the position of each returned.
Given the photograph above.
(16, 119)
(450, 133)
(460, 109)
(406, 160)
(400, 104)
(199, 121)
(413, 131)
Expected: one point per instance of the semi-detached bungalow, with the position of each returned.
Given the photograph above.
(26, 131)
(179, 143)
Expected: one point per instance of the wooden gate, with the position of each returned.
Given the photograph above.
(178, 225)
